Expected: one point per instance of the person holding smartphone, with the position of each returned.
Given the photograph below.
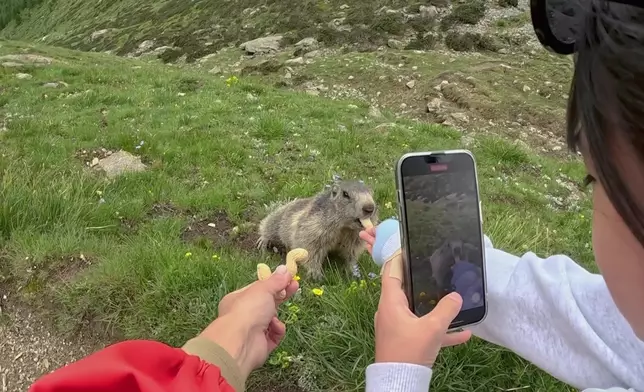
(584, 329)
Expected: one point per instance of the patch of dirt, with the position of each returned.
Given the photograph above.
(91, 157)
(273, 386)
(164, 210)
(218, 231)
(66, 267)
(30, 348)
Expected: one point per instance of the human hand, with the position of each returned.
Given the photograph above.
(247, 326)
(401, 336)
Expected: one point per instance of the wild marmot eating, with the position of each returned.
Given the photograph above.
(327, 222)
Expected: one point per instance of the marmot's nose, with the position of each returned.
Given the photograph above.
(368, 208)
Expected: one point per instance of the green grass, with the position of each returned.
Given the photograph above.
(213, 148)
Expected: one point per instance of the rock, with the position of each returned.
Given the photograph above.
(375, 112)
(526, 88)
(262, 45)
(264, 67)
(395, 44)
(99, 33)
(94, 162)
(434, 105)
(312, 54)
(23, 76)
(119, 163)
(307, 44)
(460, 117)
(11, 64)
(295, 61)
(428, 12)
(160, 51)
(344, 7)
(504, 51)
(410, 84)
(215, 70)
(55, 84)
(145, 46)
(31, 59)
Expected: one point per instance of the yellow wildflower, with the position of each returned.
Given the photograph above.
(296, 278)
(188, 254)
(317, 291)
(215, 257)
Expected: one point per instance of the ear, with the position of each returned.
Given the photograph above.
(337, 178)
(335, 190)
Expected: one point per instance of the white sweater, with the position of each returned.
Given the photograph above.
(551, 312)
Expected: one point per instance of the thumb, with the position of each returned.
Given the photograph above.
(446, 310)
(278, 281)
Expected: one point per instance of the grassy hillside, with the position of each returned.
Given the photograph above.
(134, 256)
(197, 28)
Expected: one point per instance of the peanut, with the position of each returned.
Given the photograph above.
(263, 271)
(295, 257)
(366, 223)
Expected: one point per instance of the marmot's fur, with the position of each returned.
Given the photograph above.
(326, 222)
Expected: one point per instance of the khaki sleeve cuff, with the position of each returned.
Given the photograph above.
(212, 353)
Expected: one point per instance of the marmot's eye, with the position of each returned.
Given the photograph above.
(345, 194)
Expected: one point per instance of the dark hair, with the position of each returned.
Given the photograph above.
(606, 104)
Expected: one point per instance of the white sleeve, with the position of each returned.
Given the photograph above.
(561, 318)
(397, 377)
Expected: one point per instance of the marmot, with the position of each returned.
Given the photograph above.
(326, 222)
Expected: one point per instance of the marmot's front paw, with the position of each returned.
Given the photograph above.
(314, 274)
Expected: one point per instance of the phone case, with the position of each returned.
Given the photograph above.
(404, 235)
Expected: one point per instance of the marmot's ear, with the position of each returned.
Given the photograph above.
(335, 190)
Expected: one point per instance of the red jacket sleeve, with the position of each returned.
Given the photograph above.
(135, 366)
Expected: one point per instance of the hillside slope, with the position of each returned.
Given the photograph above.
(200, 27)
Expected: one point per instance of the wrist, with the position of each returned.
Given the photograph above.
(211, 352)
(231, 337)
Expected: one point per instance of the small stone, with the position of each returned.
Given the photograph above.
(212, 225)
(23, 76)
(352, 106)
(526, 88)
(375, 112)
(434, 105)
(428, 12)
(460, 117)
(50, 85)
(295, 61)
(504, 51)
(94, 162)
(215, 70)
(350, 77)
(410, 84)
(396, 44)
(344, 7)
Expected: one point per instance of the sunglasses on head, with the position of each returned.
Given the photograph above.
(556, 22)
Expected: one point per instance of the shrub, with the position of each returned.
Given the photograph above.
(422, 42)
(463, 42)
(509, 3)
(389, 23)
(467, 13)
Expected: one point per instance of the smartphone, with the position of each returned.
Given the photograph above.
(441, 230)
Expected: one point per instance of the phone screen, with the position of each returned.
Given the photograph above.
(443, 233)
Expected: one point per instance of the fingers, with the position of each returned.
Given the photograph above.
(367, 236)
(456, 338)
(275, 333)
(446, 310)
(392, 292)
